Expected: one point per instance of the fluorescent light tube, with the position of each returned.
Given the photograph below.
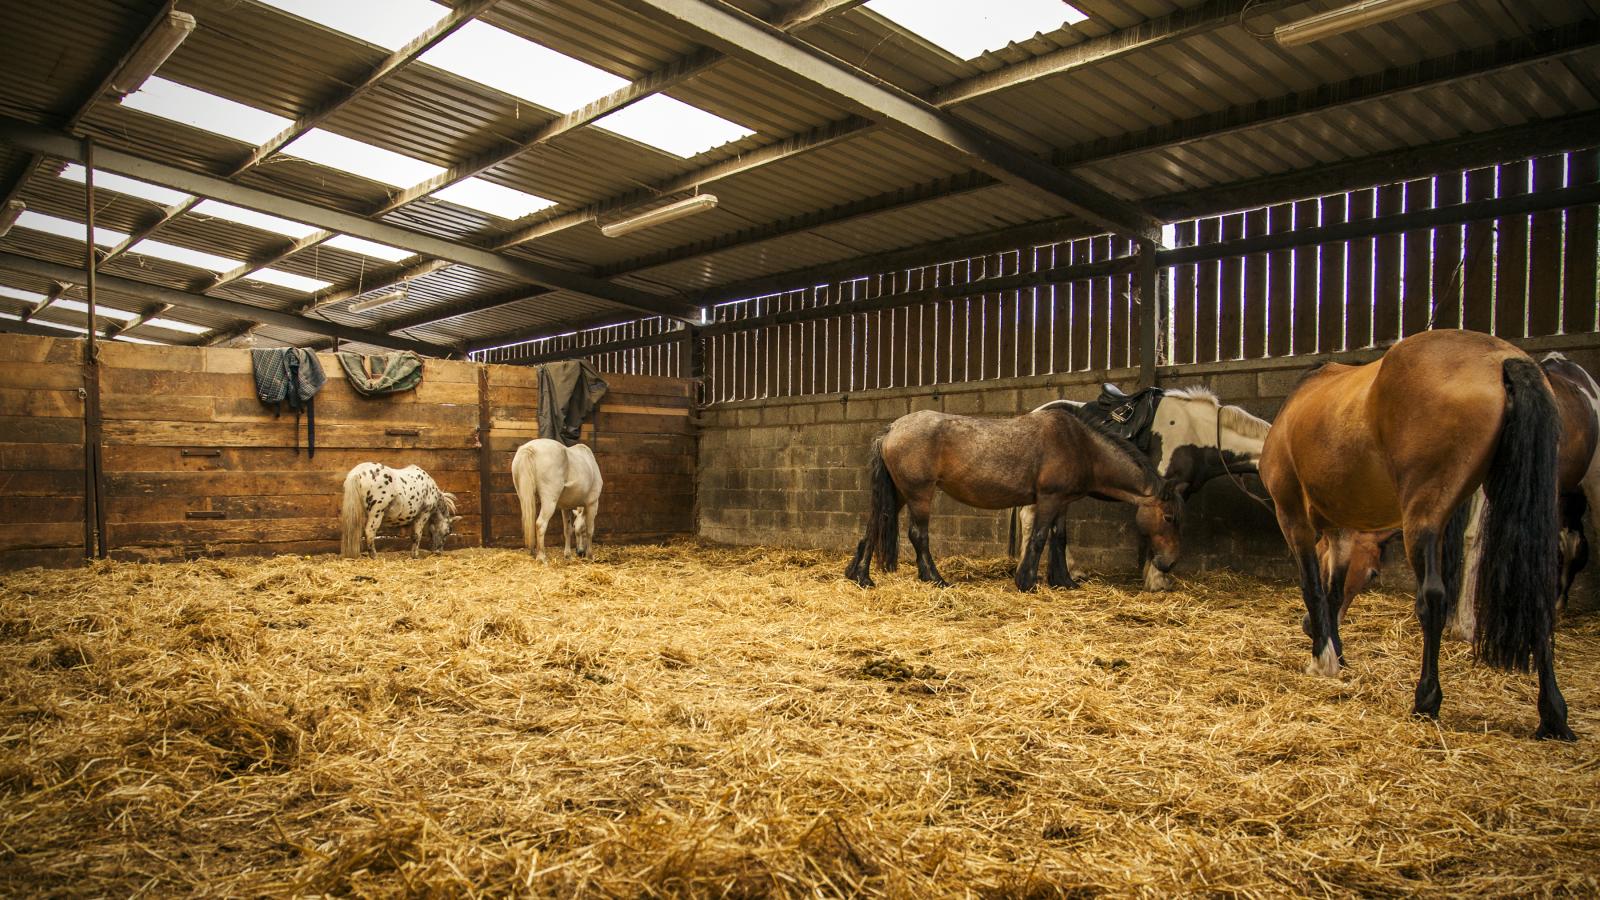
(660, 215)
(152, 52)
(1348, 18)
(372, 303)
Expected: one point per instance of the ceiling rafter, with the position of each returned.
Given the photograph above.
(157, 294)
(390, 66)
(759, 44)
(666, 77)
(1432, 73)
(36, 139)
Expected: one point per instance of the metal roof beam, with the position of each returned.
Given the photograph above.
(1187, 23)
(153, 293)
(437, 314)
(42, 140)
(770, 49)
(1182, 205)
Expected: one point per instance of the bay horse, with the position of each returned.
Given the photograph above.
(376, 496)
(550, 476)
(1046, 458)
(1404, 442)
(1577, 399)
(1194, 438)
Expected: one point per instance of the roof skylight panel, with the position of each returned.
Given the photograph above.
(199, 259)
(969, 29)
(67, 228)
(12, 293)
(109, 312)
(134, 340)
(110, 181)
(258, 220)
(287, 280)
(74, 328)
(390, 24)
(348, 155)
(671, 125)
(175, 325)
(208, 112)
(494, 199)
(369, 248)
(506, 62)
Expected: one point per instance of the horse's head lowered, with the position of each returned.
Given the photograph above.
(442, 521)
(1160, 519)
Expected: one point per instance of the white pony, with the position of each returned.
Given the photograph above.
(549, 476)
(376, 495)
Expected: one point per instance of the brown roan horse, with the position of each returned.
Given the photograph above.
(1403, 442)
(1047, 458)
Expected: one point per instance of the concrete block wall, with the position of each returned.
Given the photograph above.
(793, 471)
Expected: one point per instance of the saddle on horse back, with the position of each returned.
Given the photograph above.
(1127, 416)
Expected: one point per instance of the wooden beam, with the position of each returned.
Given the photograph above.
(1458, 214)
(765, 47)
(51, 296)
(1150, 307)
(1538, 138)
(157, 294)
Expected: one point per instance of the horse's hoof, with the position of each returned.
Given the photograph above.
(1068, 585)
(1557, 732)
(1325, 664)
(864, 582)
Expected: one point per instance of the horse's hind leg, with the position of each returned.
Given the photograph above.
(1319, 623)
(370, 531)
(547, 508)
(919, 509)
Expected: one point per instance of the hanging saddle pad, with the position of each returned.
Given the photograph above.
(383, 373)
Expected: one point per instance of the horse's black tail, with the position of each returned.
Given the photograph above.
(1516, 591)
(883, 522)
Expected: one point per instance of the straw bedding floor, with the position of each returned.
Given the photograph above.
(690, 720)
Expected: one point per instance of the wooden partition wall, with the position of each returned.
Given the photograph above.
(195, 465)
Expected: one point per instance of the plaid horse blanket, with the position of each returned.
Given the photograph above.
(293, 376)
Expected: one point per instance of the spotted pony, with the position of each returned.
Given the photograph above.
(376, 496)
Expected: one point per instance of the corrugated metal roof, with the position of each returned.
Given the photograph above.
(797, 211)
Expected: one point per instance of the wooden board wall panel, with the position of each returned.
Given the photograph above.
(1477, 269)
(1331, 294)
(1387, 270)
(1578, 276)
(1230, 307)
(1544, 251)
(1416, 279)
(1183, 312)
(1280, 291)
(1307, 274)
(1255, 290)
(1448, 190)
(1358, 277)
(1511, 258)
(42, 454)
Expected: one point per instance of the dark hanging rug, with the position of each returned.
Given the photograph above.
(293, 376)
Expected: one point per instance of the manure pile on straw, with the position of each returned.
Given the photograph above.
(690, 720)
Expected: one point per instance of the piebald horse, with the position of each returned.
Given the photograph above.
(1578, 476)
(1045, 458)
(1404, 442)
(1194, 438)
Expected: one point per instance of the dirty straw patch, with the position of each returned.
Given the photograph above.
(702, 721)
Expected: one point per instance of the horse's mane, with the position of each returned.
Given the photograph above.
(1234, 417)
(1115, 442)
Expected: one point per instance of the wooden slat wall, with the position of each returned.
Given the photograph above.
(1518, 276)
(184, 434)
(41, 451)
(643, 440)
